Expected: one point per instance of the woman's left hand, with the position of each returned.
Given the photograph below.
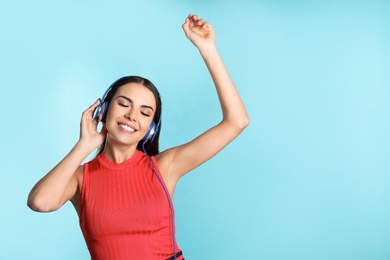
(198, 31)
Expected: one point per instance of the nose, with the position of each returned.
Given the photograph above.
(130, 115)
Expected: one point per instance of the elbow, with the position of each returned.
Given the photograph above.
(243, 123)
(37, 204)
(34, 205)
(237, 126)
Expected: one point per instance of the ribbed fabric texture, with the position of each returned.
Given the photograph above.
(124, 212)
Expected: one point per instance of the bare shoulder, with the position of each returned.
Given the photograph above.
(164, 161)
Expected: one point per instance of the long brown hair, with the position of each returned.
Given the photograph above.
(151, 147)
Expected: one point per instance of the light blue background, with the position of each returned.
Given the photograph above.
(309, 178)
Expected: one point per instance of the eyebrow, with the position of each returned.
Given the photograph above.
(131, 101)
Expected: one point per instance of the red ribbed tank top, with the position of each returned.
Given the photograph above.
(124, 211)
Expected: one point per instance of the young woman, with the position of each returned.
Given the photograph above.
(123, 196)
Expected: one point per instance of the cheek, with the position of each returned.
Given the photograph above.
(110, 119)
(113, 111)
(146, 124)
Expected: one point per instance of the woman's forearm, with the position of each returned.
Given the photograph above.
(233, 109)
(57, 186)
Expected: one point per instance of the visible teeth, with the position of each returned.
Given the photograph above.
(127, 128)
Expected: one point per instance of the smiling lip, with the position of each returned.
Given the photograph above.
(127, 128)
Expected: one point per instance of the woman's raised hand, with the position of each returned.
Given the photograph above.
(89, 134)
(198, 31)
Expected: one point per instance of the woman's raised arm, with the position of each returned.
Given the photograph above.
(177, 161)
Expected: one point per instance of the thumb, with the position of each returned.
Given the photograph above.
(186, 25)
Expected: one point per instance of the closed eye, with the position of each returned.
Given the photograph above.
(145, 114)
(122, 105)
(123, 102)
(127, 102)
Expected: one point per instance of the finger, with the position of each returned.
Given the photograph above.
(88, 113)
(197, 21)
(186, 22)
(206, 25)
(200, 22)
(186, 26)
(192, 23)
(192, 18)
(94, 105)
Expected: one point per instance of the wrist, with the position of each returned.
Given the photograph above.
(208, 50)
(84, 147)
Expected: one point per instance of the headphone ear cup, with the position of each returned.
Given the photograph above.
(150, 134)
(101, 112)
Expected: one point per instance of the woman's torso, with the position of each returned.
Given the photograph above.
(125, 210)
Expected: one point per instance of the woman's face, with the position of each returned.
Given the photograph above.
(130, 113)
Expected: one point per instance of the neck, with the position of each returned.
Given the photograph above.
(119, 154)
